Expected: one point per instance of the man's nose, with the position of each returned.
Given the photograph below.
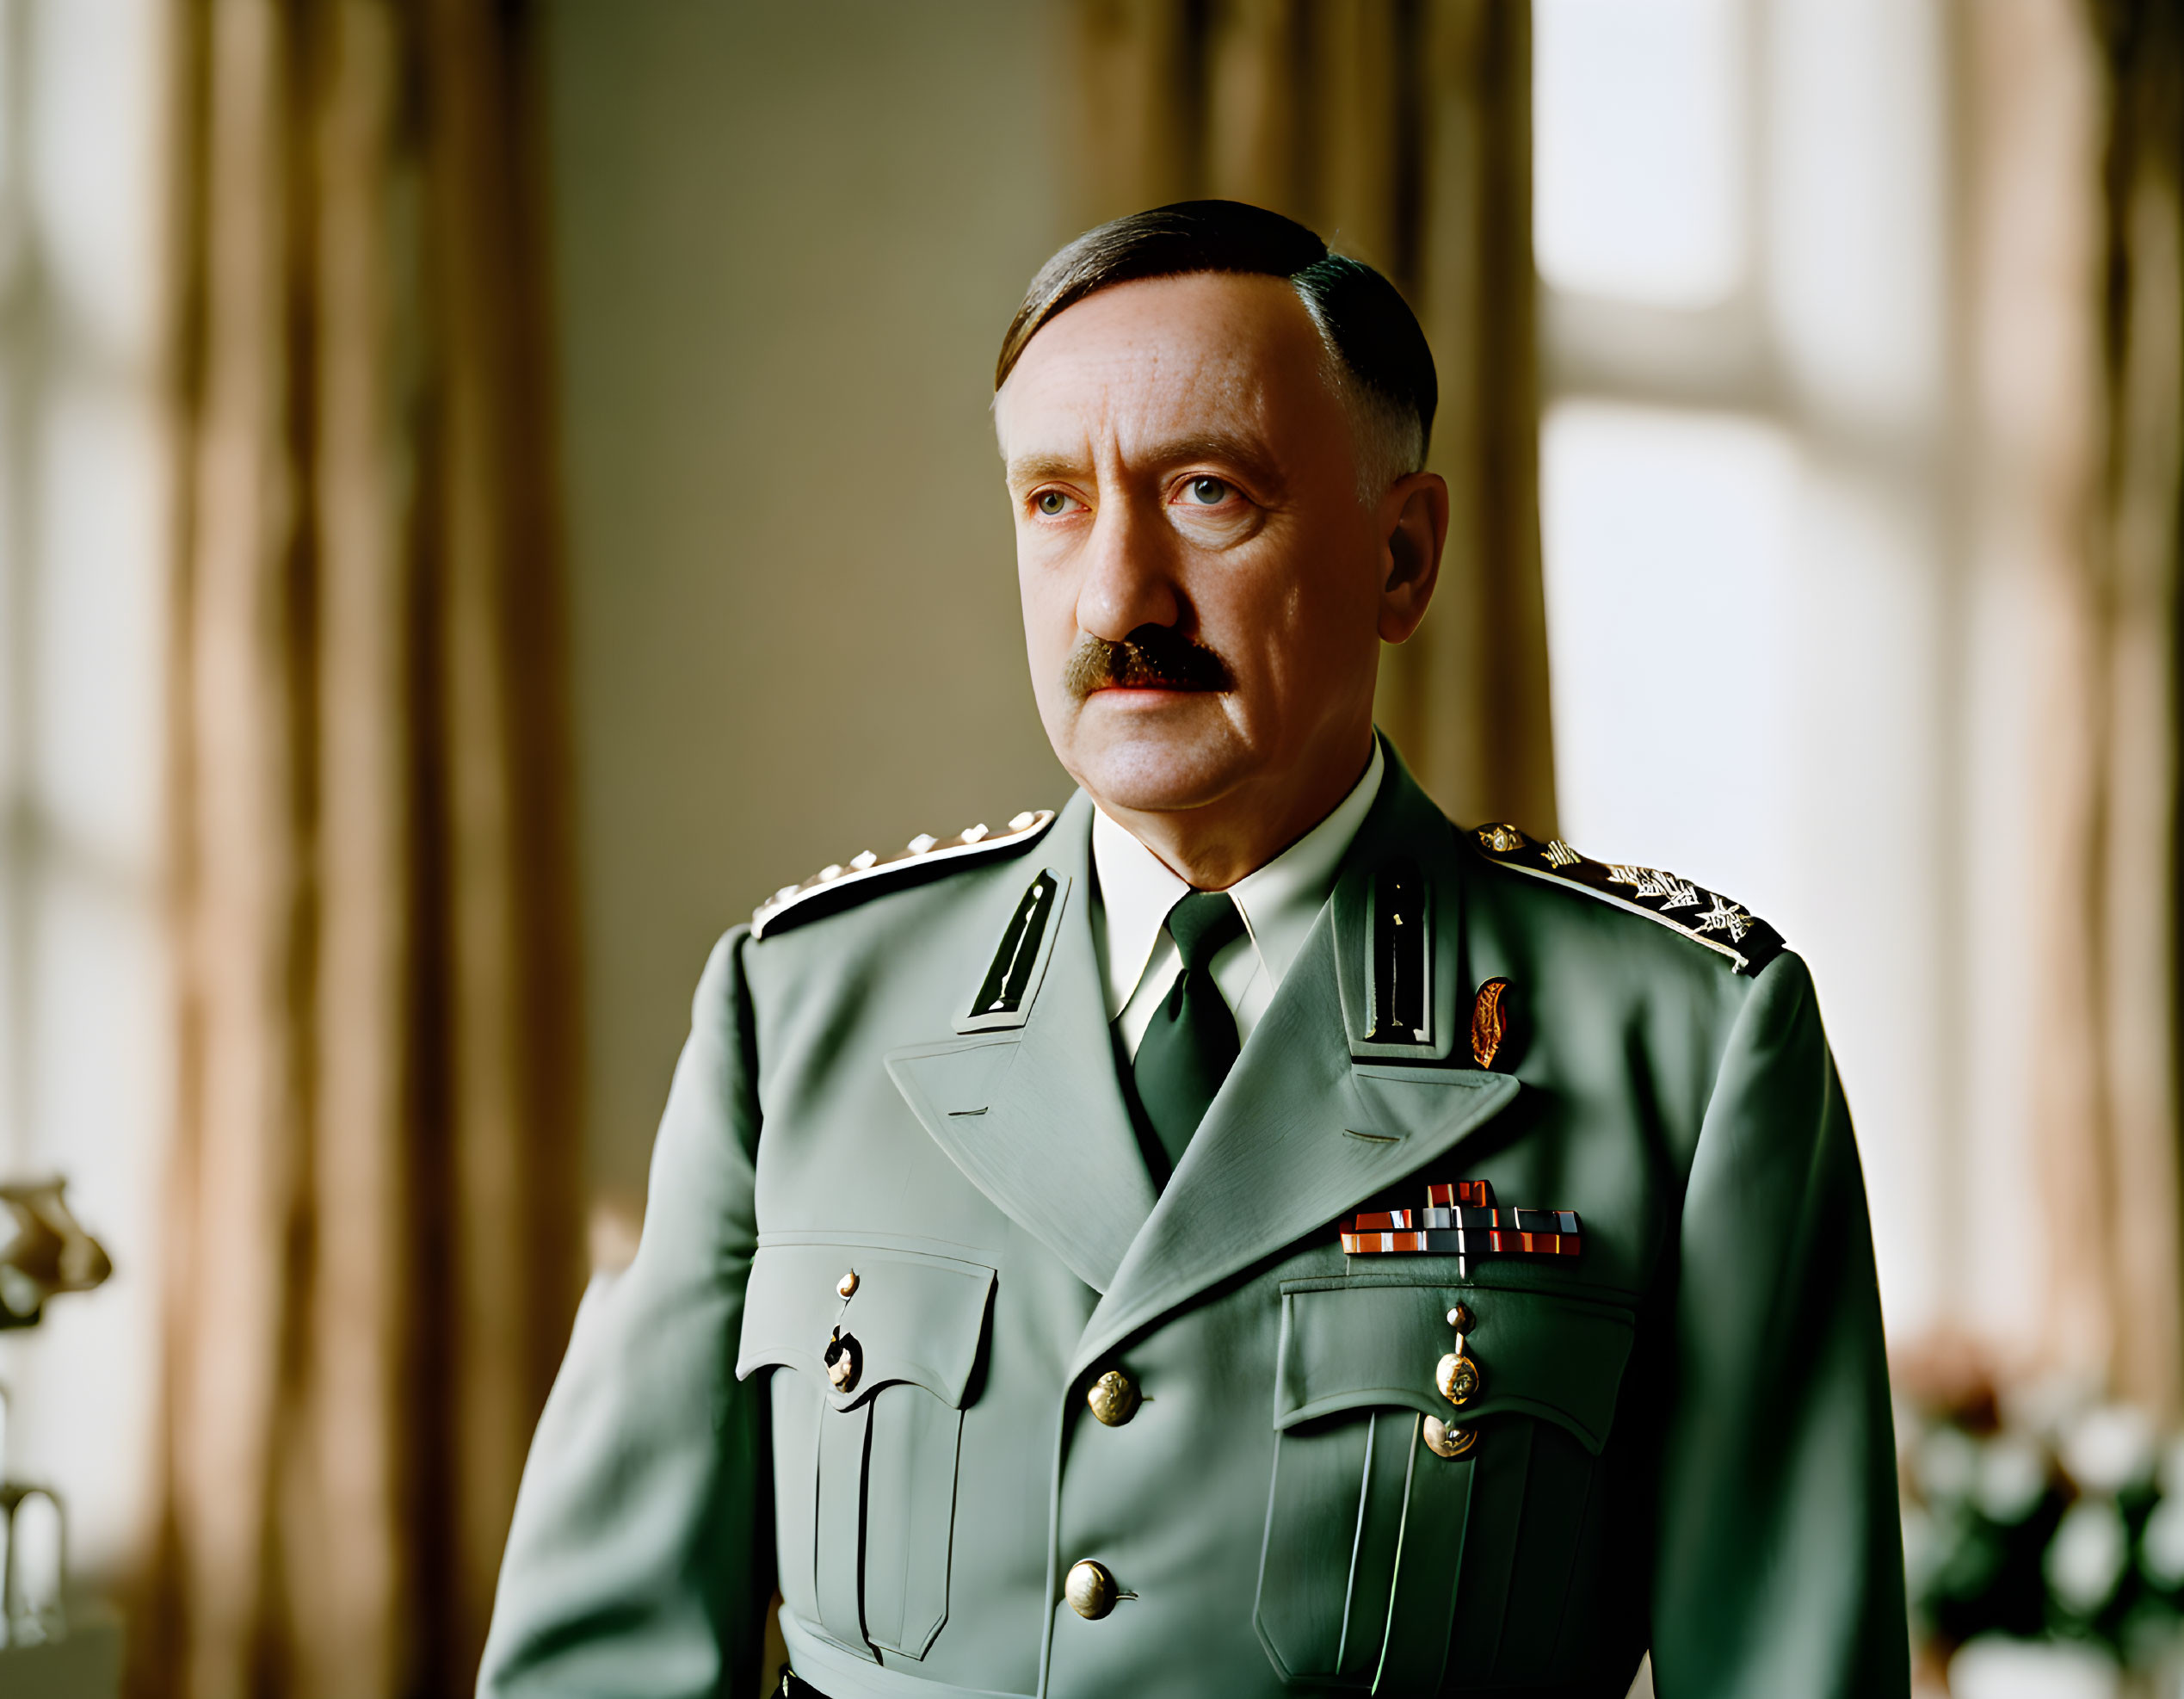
(1129, 577)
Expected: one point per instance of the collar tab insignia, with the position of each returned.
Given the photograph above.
(1402, 957)
(1012, 980)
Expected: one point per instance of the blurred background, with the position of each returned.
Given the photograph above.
(489, 489)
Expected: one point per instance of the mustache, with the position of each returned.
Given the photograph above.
(1152, 658)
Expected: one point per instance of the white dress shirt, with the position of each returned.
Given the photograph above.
(1279, 902)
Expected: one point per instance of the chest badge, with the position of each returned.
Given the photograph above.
(1462, 1219)
(1490, 1020)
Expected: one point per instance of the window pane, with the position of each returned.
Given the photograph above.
(1856, 240)
(92, 74)
(95, 655)
(1638, 179)
(1667, 543)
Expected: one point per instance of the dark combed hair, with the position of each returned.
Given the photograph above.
(1364, 319)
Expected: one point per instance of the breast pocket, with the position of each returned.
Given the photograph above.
(867, 1427)
(1380, 1554)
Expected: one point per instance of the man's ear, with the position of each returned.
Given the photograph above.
(1414, 520)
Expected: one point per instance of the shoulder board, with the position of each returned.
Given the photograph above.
(845, 883)
(1704, 916)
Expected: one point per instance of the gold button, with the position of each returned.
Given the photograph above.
(1089, 1589)
(1443, 1441)
(844, 1361)
(1458, 1378)
(1113, 1398)
(847, 1285)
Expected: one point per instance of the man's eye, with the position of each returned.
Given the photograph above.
(1207, 492)
(1051, 503)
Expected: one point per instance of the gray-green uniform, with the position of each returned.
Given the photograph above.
(901, 1226)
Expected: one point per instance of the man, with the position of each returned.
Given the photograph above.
(1244, 1234)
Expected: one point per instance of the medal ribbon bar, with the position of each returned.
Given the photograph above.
(1471, 1228)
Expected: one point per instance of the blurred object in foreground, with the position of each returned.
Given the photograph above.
(43, 1654)
(46, 1253)
(34, 1565)
(49, 1253)
(2042, 1530)
(2002, 1669)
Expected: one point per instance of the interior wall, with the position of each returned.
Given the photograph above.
(787, 242)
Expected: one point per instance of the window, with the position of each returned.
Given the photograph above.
(1639, 161)
(84, 1051)
(1756, 607)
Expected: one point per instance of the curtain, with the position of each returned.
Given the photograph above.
(2075, 140)
(373, 1248)
(1400, 131)
(2128, 824)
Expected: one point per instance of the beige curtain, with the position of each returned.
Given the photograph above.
(1400, 130)
(373, 1247)
(2074, 341)
(2126, 825)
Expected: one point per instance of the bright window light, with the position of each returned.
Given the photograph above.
(1667, 539)
(84, 1057)
(1638, 187)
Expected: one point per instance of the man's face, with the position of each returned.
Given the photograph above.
(1203, 590)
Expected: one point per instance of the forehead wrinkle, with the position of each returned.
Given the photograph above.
(1144, 398)
(1132, 373)
(1246, 453)
(1034, 468)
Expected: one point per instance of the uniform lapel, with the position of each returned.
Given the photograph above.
(1034, 1117)
(1302, 1130)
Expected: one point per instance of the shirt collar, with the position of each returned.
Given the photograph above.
(1279, 901)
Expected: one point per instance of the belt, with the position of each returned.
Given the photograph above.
(793, 1686)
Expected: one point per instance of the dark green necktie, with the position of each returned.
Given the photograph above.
(1191, 1045)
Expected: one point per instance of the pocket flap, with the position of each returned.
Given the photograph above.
(1347, 1345)
(914, 1318)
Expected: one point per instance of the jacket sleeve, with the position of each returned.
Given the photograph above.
(1779, 1567)
(640, 1560)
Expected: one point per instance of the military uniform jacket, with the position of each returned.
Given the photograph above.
(1681, 1437)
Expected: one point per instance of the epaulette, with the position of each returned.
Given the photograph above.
(1704, 916)
(835, 887)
